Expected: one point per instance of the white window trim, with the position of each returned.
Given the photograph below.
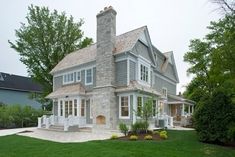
(146, 64)
(77, 76)
(64, 83)
(91, 76)
(120, 116)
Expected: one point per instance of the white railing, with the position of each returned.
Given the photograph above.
(66, 122)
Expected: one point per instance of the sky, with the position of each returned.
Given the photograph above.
(171, 24)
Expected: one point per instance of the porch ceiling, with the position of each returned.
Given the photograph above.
(68, 90)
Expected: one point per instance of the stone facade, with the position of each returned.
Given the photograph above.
(104, 96)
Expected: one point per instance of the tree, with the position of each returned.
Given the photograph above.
(44, 40)
(227, 6)
(213, 86)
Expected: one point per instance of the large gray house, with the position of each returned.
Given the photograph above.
(105, 83)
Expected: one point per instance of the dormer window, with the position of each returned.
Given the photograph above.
(144, 73)
(68, 78)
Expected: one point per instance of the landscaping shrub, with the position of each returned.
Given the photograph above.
(213, 118)
(113, 137)
(163, 136)
(148, 137)
(18, 116)
(133, 137)
(139, 127)
(123, 128)
(163, 132)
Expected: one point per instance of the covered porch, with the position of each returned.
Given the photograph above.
(69, 109)
(181, 110)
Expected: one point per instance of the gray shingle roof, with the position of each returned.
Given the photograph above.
(124, 42)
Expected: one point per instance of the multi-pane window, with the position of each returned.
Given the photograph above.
(75, 107)
(66, 108)
(79, 76)
(89, 76)
(83, 108)
(139, 106)
(144, 73)
(70, 107)
(61, 108)
(124, 106)
(154, 108)
(164, 92)
(68, 78)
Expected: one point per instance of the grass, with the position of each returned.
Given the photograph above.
(179, 144)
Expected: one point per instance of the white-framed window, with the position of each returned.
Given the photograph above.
(139, 105)
(75, 108)
(124, 107)
(68, 78)
(61, 108)
(144, 73)
(154, 108)
(78, 79)
(164, 92)
(83, 108)
(89, 76)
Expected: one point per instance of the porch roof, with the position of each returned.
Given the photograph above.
(135, 86)
(68, 90)
(173, 99)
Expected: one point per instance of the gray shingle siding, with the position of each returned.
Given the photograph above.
(58, 82)
(121, 73)
(160, 83)
(170, 72)
(132, 70)
(142, 50)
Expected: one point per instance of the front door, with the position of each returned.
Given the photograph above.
(68, 107)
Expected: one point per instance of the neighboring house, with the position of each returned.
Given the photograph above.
(103, 84)
(16, 89)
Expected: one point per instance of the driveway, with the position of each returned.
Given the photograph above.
(5, 132)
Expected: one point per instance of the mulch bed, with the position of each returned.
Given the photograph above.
(141, 136)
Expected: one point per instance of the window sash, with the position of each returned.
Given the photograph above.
(89, 76)
(124, 106)
(79, 76)
(83, 108)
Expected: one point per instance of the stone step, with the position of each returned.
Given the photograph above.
(85, 129)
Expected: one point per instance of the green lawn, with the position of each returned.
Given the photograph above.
(179, 144)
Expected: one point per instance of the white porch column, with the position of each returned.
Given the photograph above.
(189, 110)
(59, 108)
(134, 108)
(182, 113)
(73, 107)
(39, 122)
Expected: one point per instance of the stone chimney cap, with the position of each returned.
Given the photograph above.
(107, 9)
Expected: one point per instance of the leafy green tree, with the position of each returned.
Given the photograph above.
(45, 40)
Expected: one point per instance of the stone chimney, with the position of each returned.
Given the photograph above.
(104, 99)
(106, 34)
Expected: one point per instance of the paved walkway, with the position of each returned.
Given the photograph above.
(180, 128)
(5, 132)
(69, 137)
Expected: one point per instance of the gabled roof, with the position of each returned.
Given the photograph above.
(19, 83)
(124, 43)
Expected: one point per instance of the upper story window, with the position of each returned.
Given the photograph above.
(68, 78)
(144, 73)
(78, 76)
(164, 92)
(89, 76)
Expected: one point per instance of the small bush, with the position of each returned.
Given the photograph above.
(113, 137)
(123, 128)
(163, 136)
(163, 132)
(133, 137)
(139, 127)
(231, 132)
(156, 132)
(148, 137)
